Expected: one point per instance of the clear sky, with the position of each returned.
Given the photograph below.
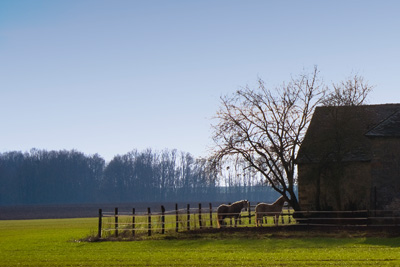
(111, 76)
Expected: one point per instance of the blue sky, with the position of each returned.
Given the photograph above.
(111, 76)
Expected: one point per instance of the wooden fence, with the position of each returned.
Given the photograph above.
(118, 223)
(129, 224)
(372, 218)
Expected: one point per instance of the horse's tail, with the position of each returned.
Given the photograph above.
(219, 220)
(259, 212)
(218, 216)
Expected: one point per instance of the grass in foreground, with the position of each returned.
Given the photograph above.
(53, 243)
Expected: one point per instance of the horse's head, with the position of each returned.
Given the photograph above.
(281, 201)
(245, 204)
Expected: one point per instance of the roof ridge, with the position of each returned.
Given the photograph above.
(363, 106)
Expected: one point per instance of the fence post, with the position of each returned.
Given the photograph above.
(249, 207)
(188, 217)
(149, 222)
(176, 217)
(116, 221)
(162, 220)
(230, 217)
(133, 222)
(289, 217)
(265, 219)
(100, 222)
(211, 220)
(200, 222)
(375, 200)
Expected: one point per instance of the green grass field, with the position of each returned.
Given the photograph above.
(53, 243)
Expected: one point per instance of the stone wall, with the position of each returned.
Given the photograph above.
(345, 186)
(385, 167)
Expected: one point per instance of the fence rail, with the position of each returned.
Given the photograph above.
(371, 218)
(183, 219)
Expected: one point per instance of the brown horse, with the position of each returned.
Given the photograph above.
(274, 209)
(229, 211)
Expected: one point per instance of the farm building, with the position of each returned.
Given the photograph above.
(350, 159)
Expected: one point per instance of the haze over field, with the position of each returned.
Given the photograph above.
(111, 76)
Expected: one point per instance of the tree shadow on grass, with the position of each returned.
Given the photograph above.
(393, 242)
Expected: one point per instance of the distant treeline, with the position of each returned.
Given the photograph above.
(56, 177)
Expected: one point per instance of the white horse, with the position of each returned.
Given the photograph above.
(265, 209)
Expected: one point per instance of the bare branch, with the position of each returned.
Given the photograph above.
(265, 127)
(352, 92)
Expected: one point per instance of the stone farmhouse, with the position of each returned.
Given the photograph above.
(350, 159)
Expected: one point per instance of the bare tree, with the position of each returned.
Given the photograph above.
(351, 92)
(265, 127)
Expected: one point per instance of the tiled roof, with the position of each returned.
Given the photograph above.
(343, 133)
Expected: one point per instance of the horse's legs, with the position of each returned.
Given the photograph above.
(220, 221)
(260, 219)
(238, 220)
